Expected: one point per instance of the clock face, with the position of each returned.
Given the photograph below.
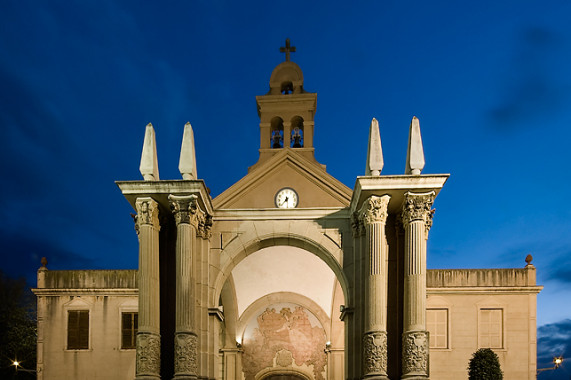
(286, 198)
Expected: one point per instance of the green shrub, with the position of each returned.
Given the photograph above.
(485, 365)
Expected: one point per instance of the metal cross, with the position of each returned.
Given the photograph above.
(287, 49)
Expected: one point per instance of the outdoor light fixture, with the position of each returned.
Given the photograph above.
(557, 361)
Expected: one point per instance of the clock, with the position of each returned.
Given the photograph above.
(286, 198)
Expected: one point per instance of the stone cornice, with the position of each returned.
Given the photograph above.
(485, 290)
(94, 292)
(160, 190)
(395, 186)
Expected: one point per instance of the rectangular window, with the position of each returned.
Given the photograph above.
(129, 327)
(437, 325)
(490, 330)
(78, 329)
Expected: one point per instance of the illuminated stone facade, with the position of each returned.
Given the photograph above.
(288, 274)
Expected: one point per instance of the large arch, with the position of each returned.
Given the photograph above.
(238, 250)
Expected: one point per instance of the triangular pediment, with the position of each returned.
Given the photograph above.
(314, 186)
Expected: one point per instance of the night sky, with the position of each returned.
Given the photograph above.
(490, 82)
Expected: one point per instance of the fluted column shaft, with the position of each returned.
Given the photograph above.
(148, 365)
(187, 213)
(417, 219)
(374, 214)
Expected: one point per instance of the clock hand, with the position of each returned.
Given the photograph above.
(285, 200)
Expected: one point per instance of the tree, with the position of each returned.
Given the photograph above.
(17, 328)
(485, 365)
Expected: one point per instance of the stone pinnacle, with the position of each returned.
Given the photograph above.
(149, 167)
(375, 161)
(415, 152)
(187, 162)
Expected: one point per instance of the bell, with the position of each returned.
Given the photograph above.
(277, 140)
(296, 138)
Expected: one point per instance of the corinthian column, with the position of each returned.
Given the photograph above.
(417, 219)
(148, 364)
(187, 215)
(373, 214)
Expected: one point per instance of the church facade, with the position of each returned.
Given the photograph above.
(288, 274)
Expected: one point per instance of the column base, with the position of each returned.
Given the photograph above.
(185, 356)
(148, 366)
(415, 355)
(375, 355)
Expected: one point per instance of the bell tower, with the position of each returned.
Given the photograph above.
(286, 112)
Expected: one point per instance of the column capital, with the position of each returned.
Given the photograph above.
(418, 206)
(184, 208)
(147, 213)
(374, 209)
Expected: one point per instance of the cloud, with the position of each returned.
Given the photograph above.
(21, 255)
(529, 89)
(560, 268)
(554, 340)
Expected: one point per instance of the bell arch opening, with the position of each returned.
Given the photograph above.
(277, 133)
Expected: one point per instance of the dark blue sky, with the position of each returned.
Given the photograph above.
(490, 82)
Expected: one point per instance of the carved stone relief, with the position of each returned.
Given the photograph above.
(375, 209)
(148, 354)
(375, 353)
(186, 210)
(418, 207)
(147, 213)
(185, 354)
(415, 352)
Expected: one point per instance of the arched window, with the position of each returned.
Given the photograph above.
(296, 132)
(277, 133)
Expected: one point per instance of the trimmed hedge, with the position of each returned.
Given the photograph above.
(485, 365)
